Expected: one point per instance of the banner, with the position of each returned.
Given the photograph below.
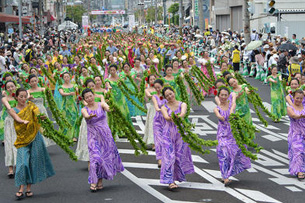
(85, 21)
(108, 12)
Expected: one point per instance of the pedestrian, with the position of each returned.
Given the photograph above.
(294, 67)
(105, 161)
(236, 59)
(230, 157)
(176, 155)
(296, 133)
(32, 155)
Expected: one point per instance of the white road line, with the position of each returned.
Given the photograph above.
(258, 196)
(275, 156)
(209, 106)
(146, 187)
(195, 158)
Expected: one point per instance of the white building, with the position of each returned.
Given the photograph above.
(229, 14)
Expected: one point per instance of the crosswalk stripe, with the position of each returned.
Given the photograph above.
(209, 106)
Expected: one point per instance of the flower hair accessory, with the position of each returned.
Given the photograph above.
(13, 94)
(146, 79)
(27, 80)
(152, 85)
(79, 98)
(60, 75)
(161, 98)
(215, 92)
(3, 86)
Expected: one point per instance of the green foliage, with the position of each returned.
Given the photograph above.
(76, 12)
(150, 14)
(57, 115)
(61, 140)
(196, 92)
(120, 125)
(195, 143)
(174, 8)
(238, 127)
(184, 94)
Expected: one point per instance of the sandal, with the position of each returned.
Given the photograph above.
(159, 163)
(227, 183)
(28, 194)
(301, 176)
(19, 196)
(93, 188)
(11, 175)
(172, 186)
(99, 187)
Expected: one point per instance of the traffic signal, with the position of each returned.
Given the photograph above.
(251, 8)
(271, 8)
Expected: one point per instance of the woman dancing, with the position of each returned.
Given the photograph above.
(9, 131)
(105, 161)
(278, 108)
(32, 155)
(176, 155)
(296, 133)
(36, 95)
(231, 159)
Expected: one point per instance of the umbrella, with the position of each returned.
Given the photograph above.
(225, 33)
(254, 45)
(198, 36)
(288, 46)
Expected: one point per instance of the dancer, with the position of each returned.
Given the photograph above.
(231, 159)
(133, 110)
(81, 151)
(9, 130)
(98, 86)
(278, 108)
(170, 79)
(293, 85)
(296, 145)
(176, 155)
(32, 155)
(69, 107)
(112, 83)
(105, 161)
(242, 104)
(36, 95)
(159, 121)
(148, 133)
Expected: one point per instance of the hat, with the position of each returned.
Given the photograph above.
(300, 56)
(266, 46)
(294, 59)
(243, 44)
(275, 56)
(8, 53)
(63, 45)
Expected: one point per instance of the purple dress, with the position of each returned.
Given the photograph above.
(158, 124)
(296, 144)
(176, 155)
(104, 157)
(230, 157)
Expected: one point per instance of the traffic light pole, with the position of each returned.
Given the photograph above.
(246, 22)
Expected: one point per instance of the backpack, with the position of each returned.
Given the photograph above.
(28, 56)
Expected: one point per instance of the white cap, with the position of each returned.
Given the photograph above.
(243, 44)
(299, 55)
(266, 46)
(275, 56)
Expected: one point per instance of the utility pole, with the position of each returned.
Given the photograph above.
(41, 16)
(201, 17)
(181, 16)
(164, 12)
(20, 20)
(246, 22)
(156, 12)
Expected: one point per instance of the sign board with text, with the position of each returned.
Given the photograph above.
(108, 12)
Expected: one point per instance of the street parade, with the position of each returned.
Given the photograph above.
(91, 96)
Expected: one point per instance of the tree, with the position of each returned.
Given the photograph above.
(75, 13)
(150, 15)
(174, 8)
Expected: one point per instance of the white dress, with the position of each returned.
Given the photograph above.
(9, 140)
(82, 151)
(149, 131)
(39, 103)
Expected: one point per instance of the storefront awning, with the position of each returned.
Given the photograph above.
(7, 18)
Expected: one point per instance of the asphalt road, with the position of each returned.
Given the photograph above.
(267, 181)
